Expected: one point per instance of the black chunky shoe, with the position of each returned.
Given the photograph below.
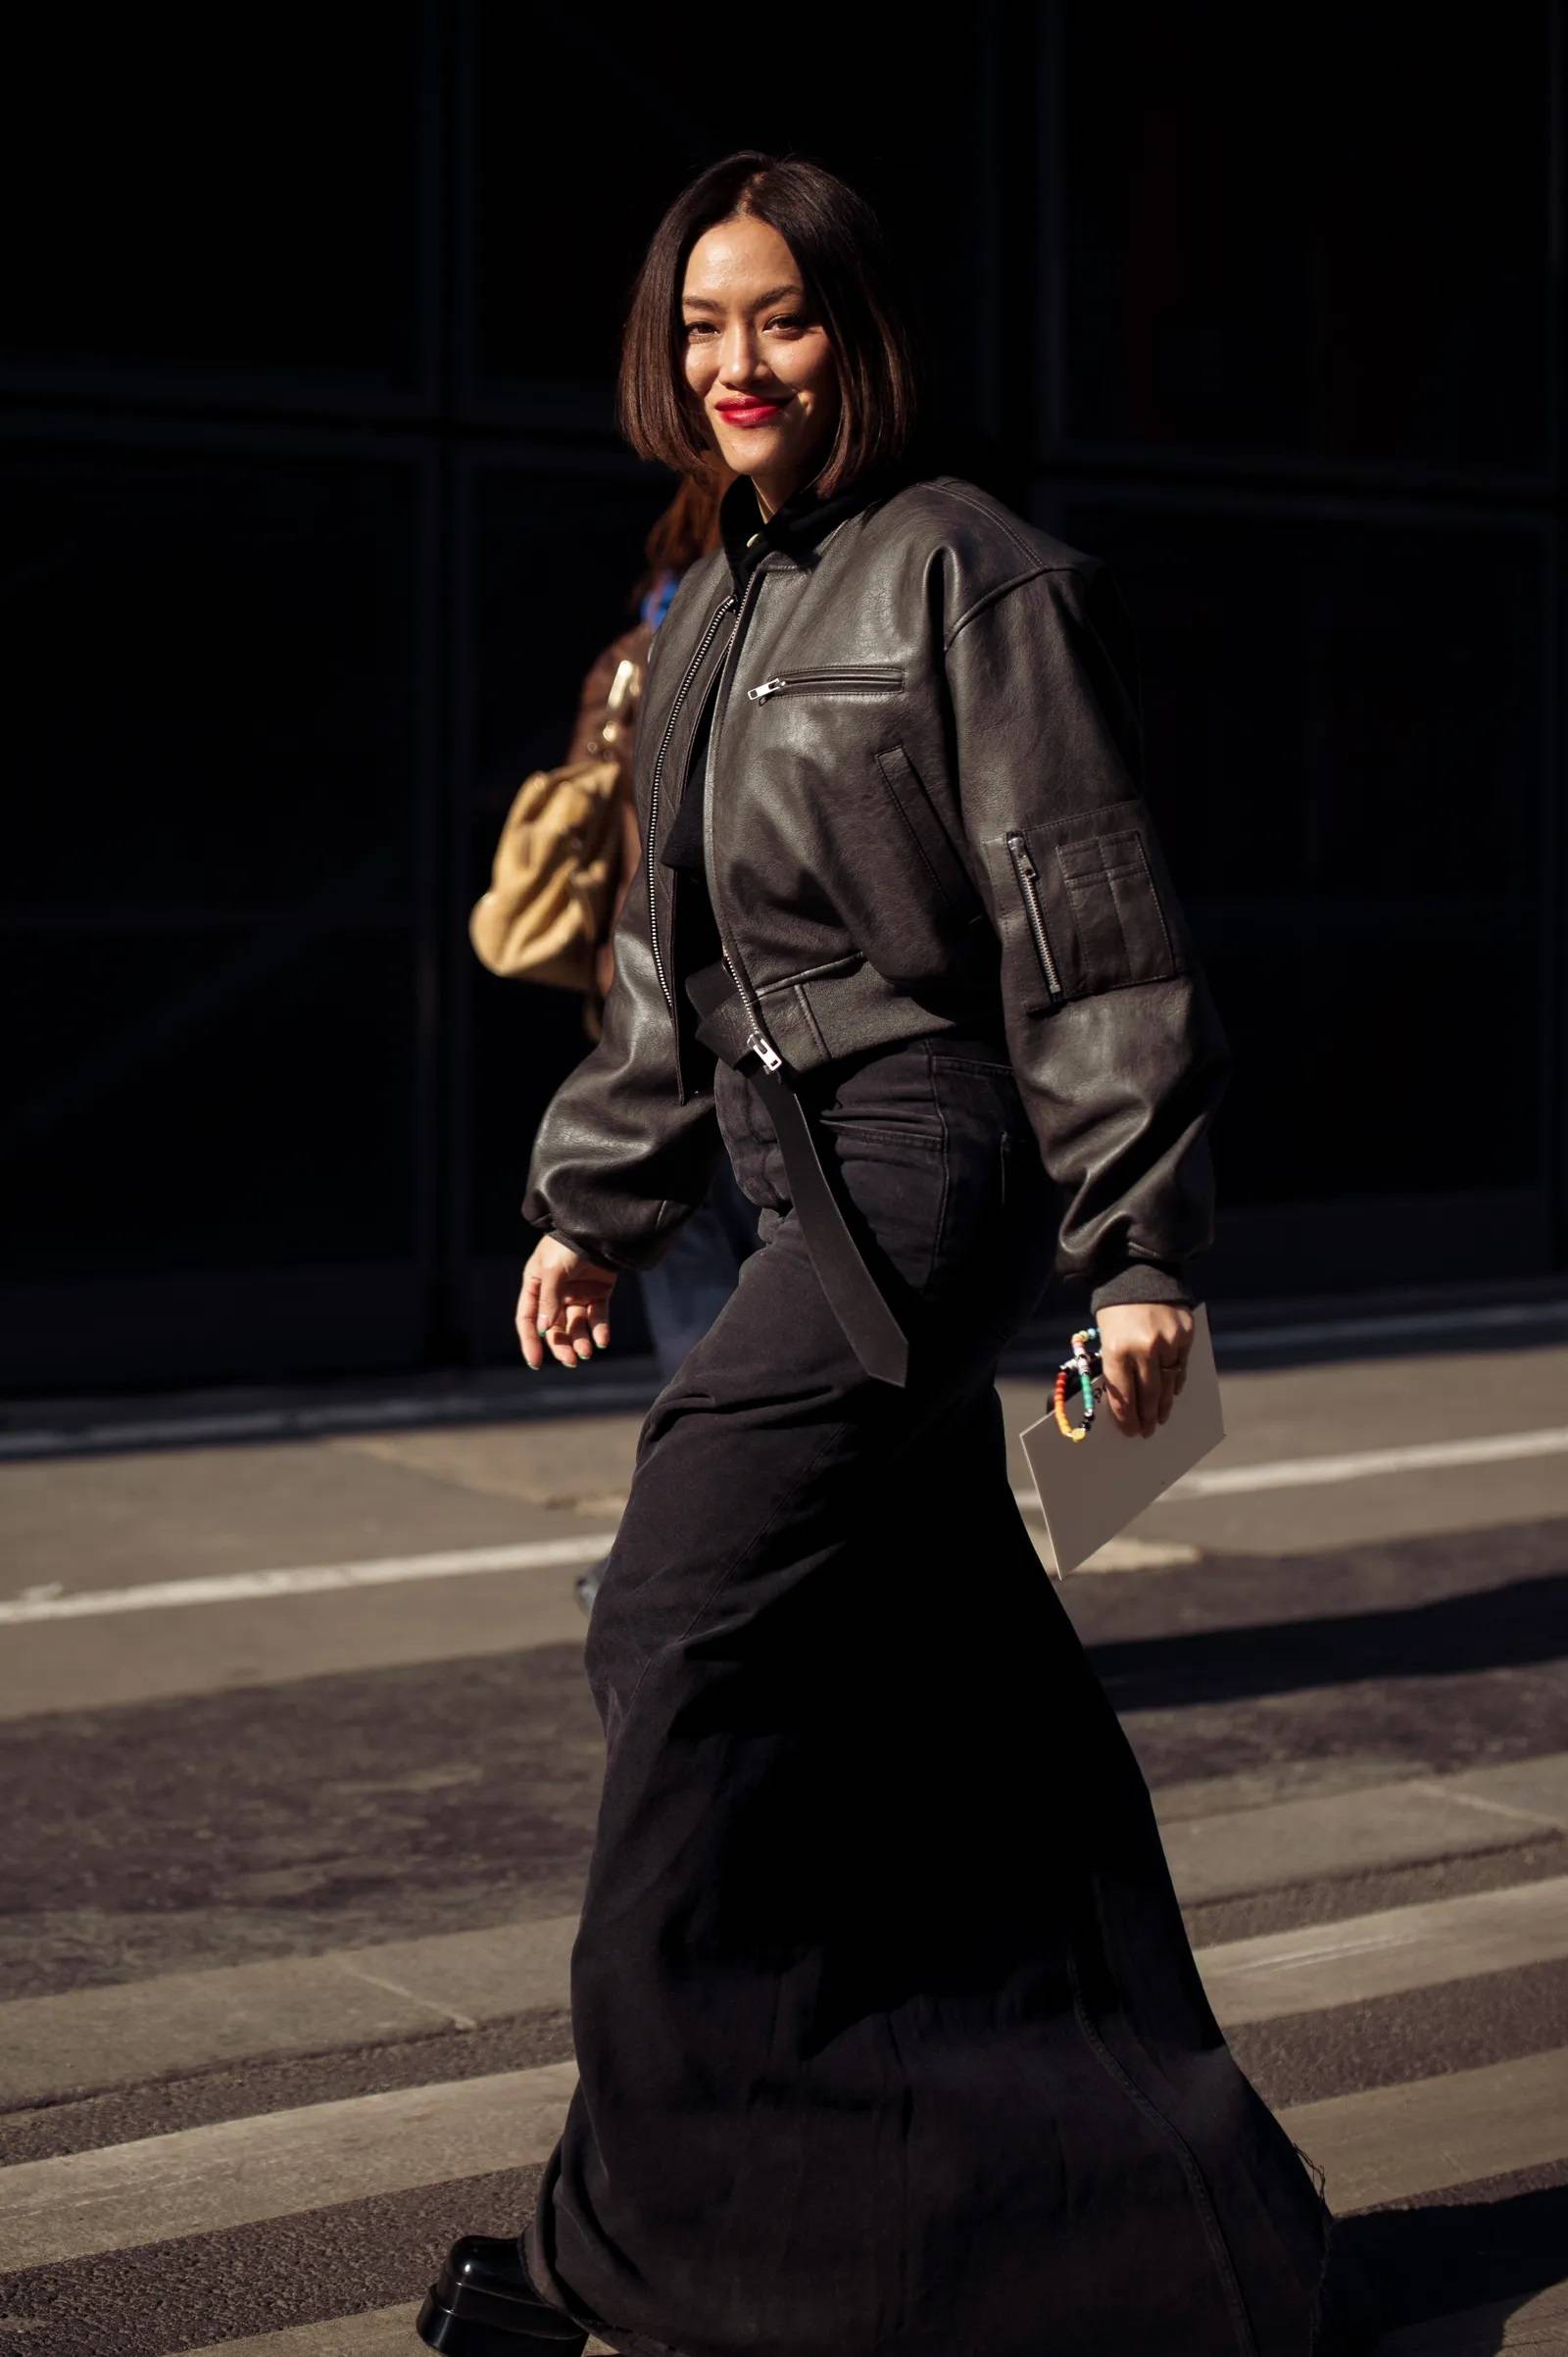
(483, 2304)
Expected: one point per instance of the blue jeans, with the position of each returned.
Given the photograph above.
(686, 1291)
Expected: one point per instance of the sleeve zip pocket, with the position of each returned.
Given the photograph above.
(1028, 876)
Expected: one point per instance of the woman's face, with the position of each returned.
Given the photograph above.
(751, 338)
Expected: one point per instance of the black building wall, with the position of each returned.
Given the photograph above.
(314, 516)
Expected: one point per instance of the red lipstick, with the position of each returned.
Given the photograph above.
(750, 413)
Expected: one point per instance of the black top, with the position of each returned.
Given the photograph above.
(801, 522)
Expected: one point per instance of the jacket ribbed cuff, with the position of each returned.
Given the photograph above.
(1143, 1281)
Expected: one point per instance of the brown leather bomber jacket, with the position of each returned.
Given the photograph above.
(923, 808)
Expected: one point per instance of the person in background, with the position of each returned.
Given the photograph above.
(684, 1294)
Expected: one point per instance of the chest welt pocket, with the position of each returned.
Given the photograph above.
(829, 677)
(1098, 908)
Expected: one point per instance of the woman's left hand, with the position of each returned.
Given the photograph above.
(1143, 1348)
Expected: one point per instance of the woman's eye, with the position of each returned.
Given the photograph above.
(784, 319)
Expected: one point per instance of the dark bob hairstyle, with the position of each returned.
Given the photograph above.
(850, 279)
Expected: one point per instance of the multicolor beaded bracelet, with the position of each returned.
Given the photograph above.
(1079, 1364)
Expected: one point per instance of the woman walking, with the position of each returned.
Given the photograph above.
(890, 2038)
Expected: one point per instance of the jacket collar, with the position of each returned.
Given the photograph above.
(795, 527)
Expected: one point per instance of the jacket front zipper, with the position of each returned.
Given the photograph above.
(757, 1039)
(849, 674)
(653, 800)
(1028, 875)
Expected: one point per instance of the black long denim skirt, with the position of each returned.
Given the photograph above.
(890, 2038)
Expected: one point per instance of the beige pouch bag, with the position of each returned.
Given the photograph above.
(554, 875)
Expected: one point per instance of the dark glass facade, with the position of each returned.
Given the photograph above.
(316, 517)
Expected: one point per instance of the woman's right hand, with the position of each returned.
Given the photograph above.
(563, 1301)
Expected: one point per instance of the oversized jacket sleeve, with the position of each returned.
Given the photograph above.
(617, 1165)
(1112, 1028)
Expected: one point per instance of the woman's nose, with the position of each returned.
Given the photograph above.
(737, 357)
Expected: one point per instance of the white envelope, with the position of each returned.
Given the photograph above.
(1090, 1489)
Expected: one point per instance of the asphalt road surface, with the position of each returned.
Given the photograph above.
(301, 1772)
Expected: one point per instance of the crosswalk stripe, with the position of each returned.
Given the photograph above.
(200, 2181)
(378, 2333)
(1322, 1836)
(1365, 1956)
(84, 2040)
(1382, 2145)
(1531, 2326)
(1419, 2136)
(1534, 2325)
(375, 2332)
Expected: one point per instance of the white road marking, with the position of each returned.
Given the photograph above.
(374, 2332)
(378, 2333)
(1415, 1456)
(1322, 1836)
(308, 1579)
(1390, 2142)
(311, 1579)
(1355, 1464)
(203, 2181)
(1322, 1965)
(1535, 2323)
(86, 2040)
(131, 2033)
(1384, 2144)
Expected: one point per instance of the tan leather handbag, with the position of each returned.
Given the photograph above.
(555, 865)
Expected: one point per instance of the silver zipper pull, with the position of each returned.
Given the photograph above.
(766, 1054)
(760, 695)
